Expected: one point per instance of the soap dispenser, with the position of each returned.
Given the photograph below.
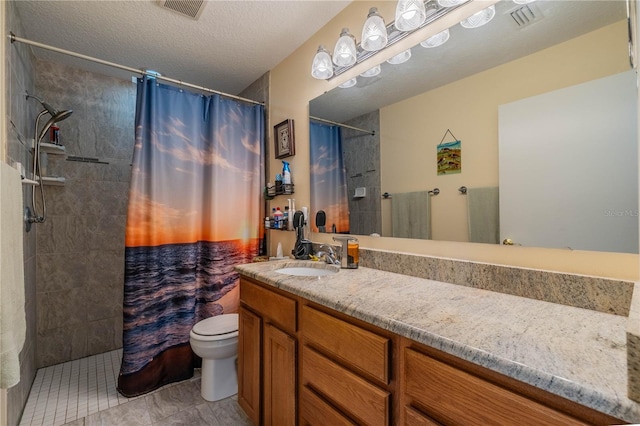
(350, 252)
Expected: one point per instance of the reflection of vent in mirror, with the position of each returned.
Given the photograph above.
(190, 8)
(524, 16)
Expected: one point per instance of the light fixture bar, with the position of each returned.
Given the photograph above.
(394, 36)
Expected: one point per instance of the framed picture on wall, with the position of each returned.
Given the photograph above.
(284, 139)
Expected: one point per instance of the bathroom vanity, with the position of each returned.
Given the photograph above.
(371, 347)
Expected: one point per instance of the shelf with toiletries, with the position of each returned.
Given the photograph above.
(271, 191)
(52, 148)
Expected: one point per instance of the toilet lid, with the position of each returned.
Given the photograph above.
(215, 326)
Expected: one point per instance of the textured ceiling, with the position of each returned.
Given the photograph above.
(231, 45)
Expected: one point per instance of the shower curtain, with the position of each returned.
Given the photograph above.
(328, 177)
(194, 212)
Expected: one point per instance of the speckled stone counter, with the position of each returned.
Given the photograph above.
(575, 353)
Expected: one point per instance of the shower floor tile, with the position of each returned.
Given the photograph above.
(79, 389)
(66, 392)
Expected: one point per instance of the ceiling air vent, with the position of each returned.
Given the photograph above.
(190, 8)
(524, 16)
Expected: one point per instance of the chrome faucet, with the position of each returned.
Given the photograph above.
(329, 254)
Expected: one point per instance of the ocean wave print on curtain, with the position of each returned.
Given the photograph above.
(328, 177)
(194, 212)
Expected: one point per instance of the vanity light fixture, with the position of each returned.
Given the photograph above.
(400, 58)
(322, 68)
(372, 72)
(349, 83)
(374, 32)
(344, 54)
(480, 18)
(436, 40)
(410, 14)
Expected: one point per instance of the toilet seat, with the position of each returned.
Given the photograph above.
(223, 326)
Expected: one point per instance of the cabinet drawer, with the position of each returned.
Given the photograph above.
(362, 350)
(316, 412)
(415, 418)
(273, 307)
(351, 393)
(453, 396)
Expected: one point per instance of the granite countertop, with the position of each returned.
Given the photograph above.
(575, 353)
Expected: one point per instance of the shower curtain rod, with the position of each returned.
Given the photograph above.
(371, 132)
(157, 76)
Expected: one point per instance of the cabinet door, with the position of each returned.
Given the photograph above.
(453, 396)
(249, 364)
(279, 377)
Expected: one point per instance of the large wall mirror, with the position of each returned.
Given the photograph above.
(543, 102)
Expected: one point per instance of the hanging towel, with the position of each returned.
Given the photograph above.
(411, 215)
(12, 313)
(483, 215)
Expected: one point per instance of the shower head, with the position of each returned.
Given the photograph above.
(62, 115)
(58, 115)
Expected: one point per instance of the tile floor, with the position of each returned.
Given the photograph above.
(83, 392)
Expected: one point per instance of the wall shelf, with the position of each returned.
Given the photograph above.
(53, 180)
(52, 148)
(30, 182)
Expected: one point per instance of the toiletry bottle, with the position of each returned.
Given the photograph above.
(278, 218)
(286, 173)
(353, 254)
(267, 223)
(273, 218)
(285, 218)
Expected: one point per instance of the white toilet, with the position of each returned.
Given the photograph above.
(215, 340)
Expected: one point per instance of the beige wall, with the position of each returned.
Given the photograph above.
(291, 89)
(469, 107)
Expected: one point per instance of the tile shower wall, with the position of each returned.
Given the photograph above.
(80, 247)
(362, 161)
(20, 76)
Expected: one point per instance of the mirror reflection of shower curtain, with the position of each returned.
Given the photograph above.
(328, 177)
(194, 212)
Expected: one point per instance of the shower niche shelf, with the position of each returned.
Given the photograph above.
(52, 148)
(53, 180)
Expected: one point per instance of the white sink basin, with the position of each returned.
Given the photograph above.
(305, 271)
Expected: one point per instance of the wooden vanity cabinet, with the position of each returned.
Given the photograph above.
(441, 389)
(302, 363)
(267, 355)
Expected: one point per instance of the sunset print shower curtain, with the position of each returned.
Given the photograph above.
(194, 212)
(328, 178)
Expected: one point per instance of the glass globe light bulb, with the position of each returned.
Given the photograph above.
(410, 14)
(436, 40)
(322, 68)
(480, 18)
(372, 72)
(400, 58)
(349, 83)
(374, 32)
(344, 54)
(450, 3)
